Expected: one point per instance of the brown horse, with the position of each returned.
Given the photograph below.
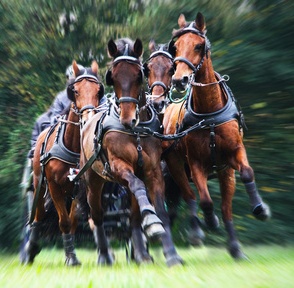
(58, 150)
(159, 69)
(217, 146)
(126, 155)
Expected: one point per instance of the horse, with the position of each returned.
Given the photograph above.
(215, 139)
(121, 152)
(57, 151)
(158, 70)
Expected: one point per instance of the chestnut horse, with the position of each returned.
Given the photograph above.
(217, 146)
(58, 150)
(121, 153)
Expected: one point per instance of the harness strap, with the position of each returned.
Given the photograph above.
(212, 146)
(139, 149)
(87, 165)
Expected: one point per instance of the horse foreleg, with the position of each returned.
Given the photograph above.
(178, 172)
(32, 247)
(171, 256)
(227, 188)
(260, 210)
(151, 224)
(65, 224)
(206, 204)
(139, 246)
(69, 238)
(105, 255)
(95, 185)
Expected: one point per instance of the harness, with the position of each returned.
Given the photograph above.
(58, 150)
(162, 51)
(109, 122)
(231, 111)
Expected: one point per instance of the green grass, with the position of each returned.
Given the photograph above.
(269, 266)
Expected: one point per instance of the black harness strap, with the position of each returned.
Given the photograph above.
(139, 149)
(212, 146)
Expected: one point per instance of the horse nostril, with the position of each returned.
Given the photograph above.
(185, 80)
(180, 84)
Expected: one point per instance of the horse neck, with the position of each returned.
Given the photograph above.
(72, 133)
(210, 98)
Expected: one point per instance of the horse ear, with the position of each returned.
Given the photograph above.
(111, 48)
(172, 48)
(182, 21)
(151, 46)
(200, 22)
(138, 48)
(101, 91)
(146, 69)
(75, 68)
(108, 78)
(70, 90)
(95, 67)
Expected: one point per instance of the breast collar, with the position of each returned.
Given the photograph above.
(59, 151)
(231, 111)
(111, 123)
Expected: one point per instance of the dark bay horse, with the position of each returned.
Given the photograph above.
(159, 69)
(58, 150)
(216, 147)
(122, 153)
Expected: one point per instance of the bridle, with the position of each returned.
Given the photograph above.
(166, 54)
(195, 68)
(207, 46)
(87, 108)
(130, 60)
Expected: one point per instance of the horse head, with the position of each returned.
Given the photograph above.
(86, 90)
(189, 46)
(126, 76)
(159, 69)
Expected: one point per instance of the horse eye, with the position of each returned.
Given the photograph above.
(198, 47)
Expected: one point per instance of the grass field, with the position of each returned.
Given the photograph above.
(269, 266)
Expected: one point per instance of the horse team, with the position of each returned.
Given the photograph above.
(189, 118)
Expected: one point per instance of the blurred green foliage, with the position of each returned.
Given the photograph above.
(252, 41)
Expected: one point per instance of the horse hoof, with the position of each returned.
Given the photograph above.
(72, 260)
(154, 231)
(211, 222)
(262, 212)
(236, 252)
(152, 226)
(31, 250)
(196, 236)
(142, 259)
(174, 260)
(106, 259)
